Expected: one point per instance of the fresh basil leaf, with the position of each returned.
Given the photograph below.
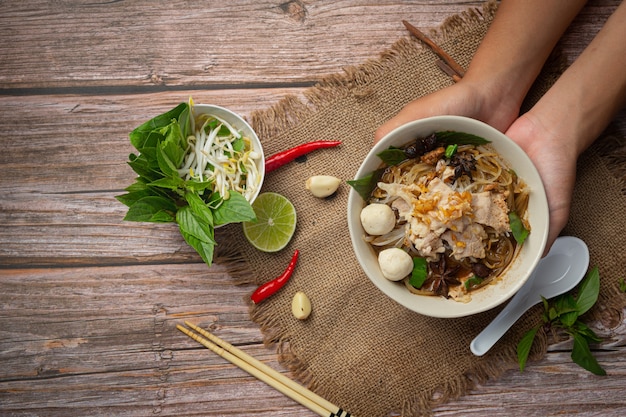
(566, 312)
(224, 131)
(392, 156)
(365, 185)
(131, 198)
(524, 346)
(151, 141)
(138, 190)
(197, 233)
(148, 170)
(184, 120)
(569, 318)
(171, 183)
(210, 125)
(191, 224)
(140, 134)
(565, 304)
(167, 166)
(581, 355)
(419, 273)
(520, 233)
(204, 249)
(162, 216)
(234, 210)
(584, 330)
(151, 209)
(552, 314)
(174, 144)
(199, 207)
(197, 186)
(588, 291)
(450, 137)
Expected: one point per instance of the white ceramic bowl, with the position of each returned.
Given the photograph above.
(240, 124)
(520, 269)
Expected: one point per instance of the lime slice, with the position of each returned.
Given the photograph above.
(276, 222)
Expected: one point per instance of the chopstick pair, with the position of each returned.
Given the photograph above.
(263, 372)
(446, 63)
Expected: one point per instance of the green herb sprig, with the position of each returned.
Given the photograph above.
(394, 156)
(564, 312)
(160, 195)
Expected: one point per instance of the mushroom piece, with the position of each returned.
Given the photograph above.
(395, 263)
(378, 219)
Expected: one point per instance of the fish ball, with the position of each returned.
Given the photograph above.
(378, 219)
(395, 263)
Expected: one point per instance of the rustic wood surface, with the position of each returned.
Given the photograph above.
(89, 303)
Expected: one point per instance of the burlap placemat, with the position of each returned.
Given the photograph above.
(358, 348)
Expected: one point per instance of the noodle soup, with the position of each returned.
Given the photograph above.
(499, 288)
(458, 212)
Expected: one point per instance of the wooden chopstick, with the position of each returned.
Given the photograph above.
(264, 373)
(457, 71)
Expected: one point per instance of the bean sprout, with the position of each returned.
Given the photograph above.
(218, 153)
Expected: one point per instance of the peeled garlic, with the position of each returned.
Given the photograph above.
(322, 185)
(301, 306)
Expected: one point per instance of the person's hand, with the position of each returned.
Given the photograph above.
(461, 99)
(542, 138)
(555, 161)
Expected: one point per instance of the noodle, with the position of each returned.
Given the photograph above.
(454, 212)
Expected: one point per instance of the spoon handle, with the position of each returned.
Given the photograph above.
(496, 329)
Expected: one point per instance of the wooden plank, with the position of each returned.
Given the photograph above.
(178, 43)
(181, 44)
(65, 163)
(84, 138)
(102, 341)
(89, 327)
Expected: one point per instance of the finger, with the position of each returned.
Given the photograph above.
(409, 113)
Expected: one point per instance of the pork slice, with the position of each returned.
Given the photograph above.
(490, 209)
(468, 243)
(404, 208)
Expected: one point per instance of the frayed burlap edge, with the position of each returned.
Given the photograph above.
(608, 311)
(291, 109)
(288, 113)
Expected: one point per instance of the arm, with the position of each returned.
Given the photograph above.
(573, 113)
(518, 42)
(591, 91)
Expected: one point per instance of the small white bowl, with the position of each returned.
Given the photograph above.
(520, 269)
(240, 124)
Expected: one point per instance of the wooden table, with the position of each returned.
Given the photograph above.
(89, 303)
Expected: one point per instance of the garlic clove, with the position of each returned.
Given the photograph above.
(322, 186)
(301, 306)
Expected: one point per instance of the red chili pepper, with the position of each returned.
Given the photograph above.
(270, 288)
(288, 155)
